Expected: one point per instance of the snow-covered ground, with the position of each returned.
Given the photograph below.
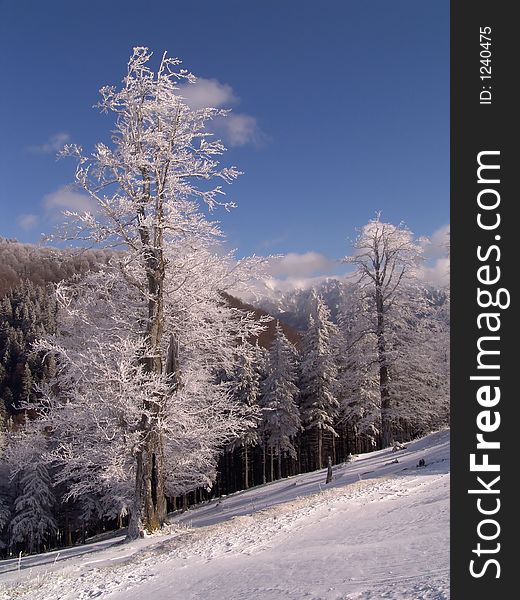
(379, 530)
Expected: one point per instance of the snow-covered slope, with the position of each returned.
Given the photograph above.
(379, 530)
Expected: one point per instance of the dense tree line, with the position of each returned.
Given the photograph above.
(27, 313)
(337, 395)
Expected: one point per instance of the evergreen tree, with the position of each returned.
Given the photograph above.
(5, 512)
(26, 384)
(319, 405)
(5, 509)
(418, 338)
(358, 383)
(32, 522)
(247, 391)
(281, 419)
(27, 312)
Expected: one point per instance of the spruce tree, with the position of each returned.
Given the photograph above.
(281, 419)
(247, 391)
(319, 404)
(33, 522)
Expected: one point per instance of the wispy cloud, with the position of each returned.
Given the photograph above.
(237, 129)
(66, 198)
(28, 221)
(295, 271)
(52, 145)
(240, 129)
(52, 207)
(273, 242)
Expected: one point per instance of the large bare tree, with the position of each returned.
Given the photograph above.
(145, 187)
(386, 258)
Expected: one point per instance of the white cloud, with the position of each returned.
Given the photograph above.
(54, 144)
(437, 245)
(436, 252)
(293, 265)
(208, 93)
(65, 198)
(272, 287)
(277, 286)
(238, 129)
(27, 221)
(291, 272)
(438, 273)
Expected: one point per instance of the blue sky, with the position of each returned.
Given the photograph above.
(341, 108)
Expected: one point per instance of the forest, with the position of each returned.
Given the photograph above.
(134, 378)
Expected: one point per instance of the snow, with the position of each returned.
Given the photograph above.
(379, 530)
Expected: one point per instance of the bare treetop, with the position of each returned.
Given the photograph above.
(385, 254)
(161, 154)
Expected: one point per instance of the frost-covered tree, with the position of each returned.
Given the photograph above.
(146, 336)
(386, 258)
(5, 501)
(318, 384)
(281, 419)
(417, 344)
(96, 404)
(246, 378)
(358, 375)
(32, 522)
(419, 340)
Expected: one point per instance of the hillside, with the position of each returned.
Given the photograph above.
(44, 264)
(379, 530)
(266, 337)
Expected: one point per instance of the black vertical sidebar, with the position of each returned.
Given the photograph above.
(484, 118)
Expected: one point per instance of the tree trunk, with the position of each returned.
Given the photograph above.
(386, 424)
(149, 510)
(264, 458)
(246, 467)
(320, 448)
(68, 529)
(271, 452)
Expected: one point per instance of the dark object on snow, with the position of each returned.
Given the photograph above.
(421, 463)
(329, 471)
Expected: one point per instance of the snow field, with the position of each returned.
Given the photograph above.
(384, 534)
